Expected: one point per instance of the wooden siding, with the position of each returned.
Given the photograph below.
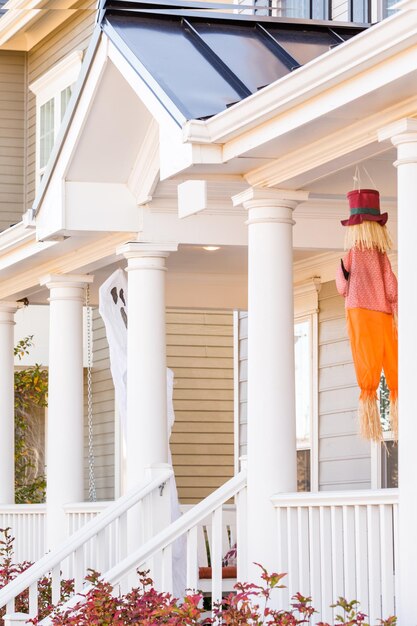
(200, 352)
(12, 135)
(243, 382)
(73, 34)
(344, 458)
(103, 415)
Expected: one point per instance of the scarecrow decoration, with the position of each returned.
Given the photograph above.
(369, 286)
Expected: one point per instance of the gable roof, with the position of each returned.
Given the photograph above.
(198, 62)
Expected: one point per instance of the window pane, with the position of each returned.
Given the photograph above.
(303, 381)
(65, 98)
(359, 11)
(384, 404)
(303, 470)
(389, 464)
(46, 134)
(294, 8)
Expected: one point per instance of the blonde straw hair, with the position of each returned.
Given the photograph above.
(367, 236)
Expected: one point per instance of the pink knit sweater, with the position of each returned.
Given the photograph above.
(371, 283)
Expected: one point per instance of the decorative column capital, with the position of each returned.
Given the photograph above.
(401, 131)
(133, 249)
(262, 197)
(7, 311)
(66, 280)
(147, 255)
(66, 286)
(270, 205)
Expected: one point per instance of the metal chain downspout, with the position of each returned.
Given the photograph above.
(92, 495)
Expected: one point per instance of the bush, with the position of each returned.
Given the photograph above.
(143, 605)
(31, 388)
(10, 570)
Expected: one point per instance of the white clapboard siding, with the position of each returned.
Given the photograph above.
(344, 458)
(103, 415)
(73, 34)
(200, 352)
(340, 10)
(12, 125)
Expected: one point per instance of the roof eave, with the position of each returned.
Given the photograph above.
(336, 66)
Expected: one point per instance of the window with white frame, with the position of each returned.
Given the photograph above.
(389, 447)
(53, 92)
(303, 404)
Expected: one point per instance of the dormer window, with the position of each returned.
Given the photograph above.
(53, 93)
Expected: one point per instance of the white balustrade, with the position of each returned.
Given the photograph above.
(27, 526)
(72, 556)
(159, 547)
(339, 544)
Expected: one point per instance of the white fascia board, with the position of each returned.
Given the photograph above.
(18, 30)
(19, 14)
(336, 67)
(330, 99)
(94, 64)
(331, 152)
(82, 259)
(108, 207)
(49, 203)
(17, 244)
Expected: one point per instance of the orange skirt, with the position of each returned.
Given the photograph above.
(374, 343)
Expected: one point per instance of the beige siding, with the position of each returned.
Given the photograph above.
(344, 458)
(243, 383)
(103, 415)
(74, 34)
(12, 132)
(200, 352)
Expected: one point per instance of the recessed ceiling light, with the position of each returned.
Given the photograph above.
(211, 248)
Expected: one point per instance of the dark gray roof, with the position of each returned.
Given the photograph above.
(2, 3)
(198, 61)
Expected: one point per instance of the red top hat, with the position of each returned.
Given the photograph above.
(364, 205)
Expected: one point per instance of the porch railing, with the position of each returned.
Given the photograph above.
(339, 544)
(71, 557)
(27, 524)
(159, 547)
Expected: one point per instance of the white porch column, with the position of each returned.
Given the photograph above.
(272, 463)
(146, 427)
(7, 311)
(403, 135)
(65, 430)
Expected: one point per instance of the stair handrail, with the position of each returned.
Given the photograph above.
(165, 537)
(48, 562)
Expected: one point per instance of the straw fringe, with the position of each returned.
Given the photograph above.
(370, 421)
(394, 418)
(367, 236)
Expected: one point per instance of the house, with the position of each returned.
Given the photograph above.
(208, 150)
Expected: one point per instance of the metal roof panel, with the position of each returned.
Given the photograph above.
(204, 62)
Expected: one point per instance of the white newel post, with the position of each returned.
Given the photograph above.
(146, 427)
(7, 311)
(403, 135)
(65, 430)
(272, 464)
